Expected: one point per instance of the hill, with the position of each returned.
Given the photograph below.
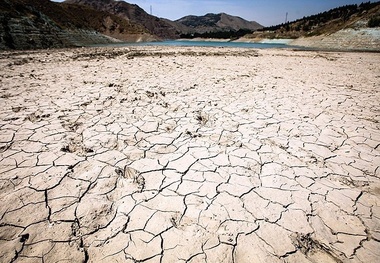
(350, 27)
(329, 22)
(133, 13)
(31, 24)
(215, 26)
(106, 23)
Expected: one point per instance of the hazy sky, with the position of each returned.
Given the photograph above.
(265, 12)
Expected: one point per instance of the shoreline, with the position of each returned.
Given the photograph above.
(282, 45)
(346, 40)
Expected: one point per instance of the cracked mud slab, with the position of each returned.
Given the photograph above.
(148, 154)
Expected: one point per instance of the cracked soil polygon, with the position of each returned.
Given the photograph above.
(163, 154)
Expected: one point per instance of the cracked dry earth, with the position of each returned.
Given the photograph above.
(147, 154)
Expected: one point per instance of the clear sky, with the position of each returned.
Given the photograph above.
(265, 12)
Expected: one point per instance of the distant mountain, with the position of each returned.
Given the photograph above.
(215, 23)
(214, 26)
(31, 24)
(133, 13)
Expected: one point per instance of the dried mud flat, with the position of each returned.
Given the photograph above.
(147, 154)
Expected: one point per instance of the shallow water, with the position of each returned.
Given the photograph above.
(218, 44)
(206, 44)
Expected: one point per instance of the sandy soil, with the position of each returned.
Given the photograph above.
(346, 39)
(148, 154)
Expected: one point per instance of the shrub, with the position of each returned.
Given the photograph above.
(374, 22)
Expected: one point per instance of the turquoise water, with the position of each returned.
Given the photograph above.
(184, 43)
(215, 44)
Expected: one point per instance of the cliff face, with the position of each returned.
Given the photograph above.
(34, 24)
(24, 27)
(38, 31)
